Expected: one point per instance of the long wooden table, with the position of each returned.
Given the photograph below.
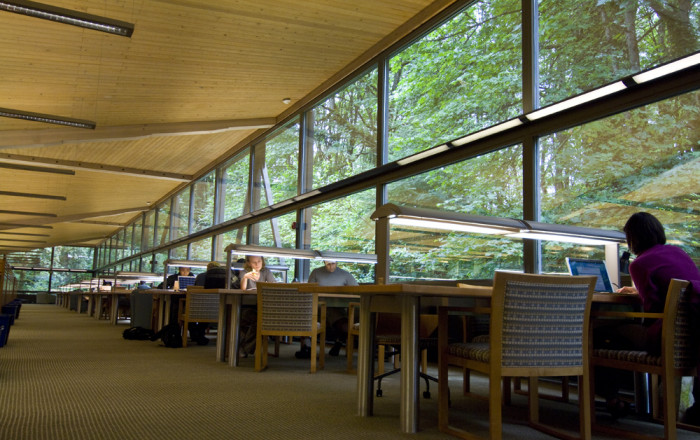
(407, 299)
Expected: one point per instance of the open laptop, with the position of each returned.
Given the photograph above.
(183, 282)
(580, 266)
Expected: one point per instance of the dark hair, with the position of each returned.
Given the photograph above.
(643, 231)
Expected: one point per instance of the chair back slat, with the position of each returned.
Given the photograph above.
(543, 324)
(286, 309)
(203, 306)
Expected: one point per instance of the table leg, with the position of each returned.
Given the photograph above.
(222, 336)
(365, 359)
(234, 330)
(410, 356)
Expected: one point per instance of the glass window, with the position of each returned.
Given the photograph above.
(237, 236)
(491, 184)
(234, 186)
(201, 250)
(179, 253)
(203, 194)
(31, 281)
(598, 174)
(148, 223)
(609, 40)
(181, 213)
(275, 170)
(128, 240)
(463, 76)
(163, 226)
(138, 231)
(424, 254)
(343, 132)
(72, 257)
(276, 232)
(344, 225)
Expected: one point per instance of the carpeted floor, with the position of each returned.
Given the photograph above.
(69, 376)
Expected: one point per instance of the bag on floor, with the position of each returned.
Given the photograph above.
(138, 333)
(170, 335)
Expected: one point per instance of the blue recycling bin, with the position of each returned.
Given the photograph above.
(5, 328)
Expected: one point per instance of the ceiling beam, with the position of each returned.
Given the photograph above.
(37, 222)
(60, 136)
(96, 167)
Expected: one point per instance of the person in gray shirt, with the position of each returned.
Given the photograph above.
(336, 317)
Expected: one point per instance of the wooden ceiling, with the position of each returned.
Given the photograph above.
(194, 83)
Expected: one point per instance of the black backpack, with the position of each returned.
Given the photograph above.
(138, 333)
(170, 335)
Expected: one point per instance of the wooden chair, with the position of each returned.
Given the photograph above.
(197, 307)
(679, 357)
(284, 311)
(538, 327)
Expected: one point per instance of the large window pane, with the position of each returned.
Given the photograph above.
(344, 132)
(344, 225)
(71, 257)
(490, 184)
(598, 174)
(463, 76)
(234, 186)
(148, 225)
(179, 253)
(236, 236)
(203, 194)
(201, 250)
(181, 213)
(163, 226)
(423, 254)
(609, 40)
(276, 167)
(29, 281)
(138, 236)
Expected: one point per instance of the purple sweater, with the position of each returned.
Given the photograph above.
(651, 273)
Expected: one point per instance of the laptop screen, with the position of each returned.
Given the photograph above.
(578, 266)
(185, 281)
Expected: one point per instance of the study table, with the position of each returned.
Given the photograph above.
(227, 341)
(408, 300)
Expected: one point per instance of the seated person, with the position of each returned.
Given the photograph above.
(336, 317)
(169, 284)
(656, 264)
(254, 271)
(213, 278)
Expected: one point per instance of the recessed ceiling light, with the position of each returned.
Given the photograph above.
(287, 101)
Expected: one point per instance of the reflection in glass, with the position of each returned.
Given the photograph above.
(598, 174)
(438, 255)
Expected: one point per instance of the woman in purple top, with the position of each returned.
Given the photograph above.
(651, 272)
